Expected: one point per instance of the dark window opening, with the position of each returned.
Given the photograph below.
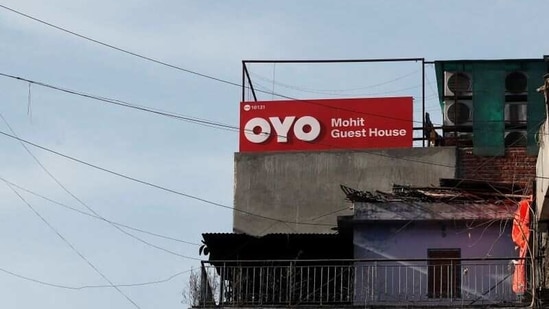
(443, 271)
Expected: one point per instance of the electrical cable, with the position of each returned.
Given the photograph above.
(374, 153)
(354, 95)
(483, 164)
(178, 67)
(129, 105)
(120, 49)
(125, 104)
(504, 222)
(73, 248)
(171, 65)
(168, 189)
(331, 91)
(127, 51)
(150, 184)
(192, 119)
(187, 118)
(68, 287)
(97, 217)
(135, 54)
(86, 205)
(430, 84)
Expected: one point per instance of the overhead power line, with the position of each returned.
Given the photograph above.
(191, 119)
(161, 187)
(331, 91)
(187, 118)
(83, 287)
(181, 68)
(198, 121)
(150, 184)
(340, 108)
(86, 205)
(97, 217)
(173, 115)
(157, 61)
(118, 48)
(73, 248)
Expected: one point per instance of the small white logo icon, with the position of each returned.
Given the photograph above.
(247, 107)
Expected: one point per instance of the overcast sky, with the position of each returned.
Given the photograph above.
(209, 37)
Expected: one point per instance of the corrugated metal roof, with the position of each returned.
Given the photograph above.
(464, 192)
(432, 211)
(227, 246)
(244, 234)
(466, 200)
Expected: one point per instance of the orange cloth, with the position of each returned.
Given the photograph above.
(521, 224)
(521, 235)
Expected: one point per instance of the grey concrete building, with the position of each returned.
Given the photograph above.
(302, 188)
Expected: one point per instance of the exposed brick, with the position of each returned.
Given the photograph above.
(515, 167)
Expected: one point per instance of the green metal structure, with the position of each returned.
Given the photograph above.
(490, 89)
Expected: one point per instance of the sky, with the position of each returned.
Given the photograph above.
(55, 253)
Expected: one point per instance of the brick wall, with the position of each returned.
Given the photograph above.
(515, 167)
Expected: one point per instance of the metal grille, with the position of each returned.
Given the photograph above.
(459, 83)
(358, 282)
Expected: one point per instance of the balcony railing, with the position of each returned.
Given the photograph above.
(463, 282)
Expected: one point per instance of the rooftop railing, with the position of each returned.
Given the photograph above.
(463, 282)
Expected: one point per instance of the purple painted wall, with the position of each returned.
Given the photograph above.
(474, 281)
(412, 239)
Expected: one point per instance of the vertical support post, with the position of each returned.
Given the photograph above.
(221, 281)
(423, 97)
(243, 81)
(203, 297)
(290, 283)
(250, 83)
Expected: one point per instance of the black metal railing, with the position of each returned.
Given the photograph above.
(464, 282)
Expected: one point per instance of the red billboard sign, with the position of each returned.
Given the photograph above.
(326, 124)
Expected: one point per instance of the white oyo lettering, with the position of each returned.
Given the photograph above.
(306, 129)
(260, 137)
(312, 124)
(282, 128)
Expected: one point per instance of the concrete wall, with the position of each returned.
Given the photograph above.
(542, 197)
(542, 173)
(302, 188)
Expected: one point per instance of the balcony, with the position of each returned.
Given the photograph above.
(342, 283)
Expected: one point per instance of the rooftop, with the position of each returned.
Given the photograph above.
(455, 199)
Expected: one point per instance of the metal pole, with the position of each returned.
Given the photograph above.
(250, 82)
(221, 287)
(243, 81)
(335, 60)
(423, 97)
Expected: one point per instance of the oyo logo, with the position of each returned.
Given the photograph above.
(258, 130)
